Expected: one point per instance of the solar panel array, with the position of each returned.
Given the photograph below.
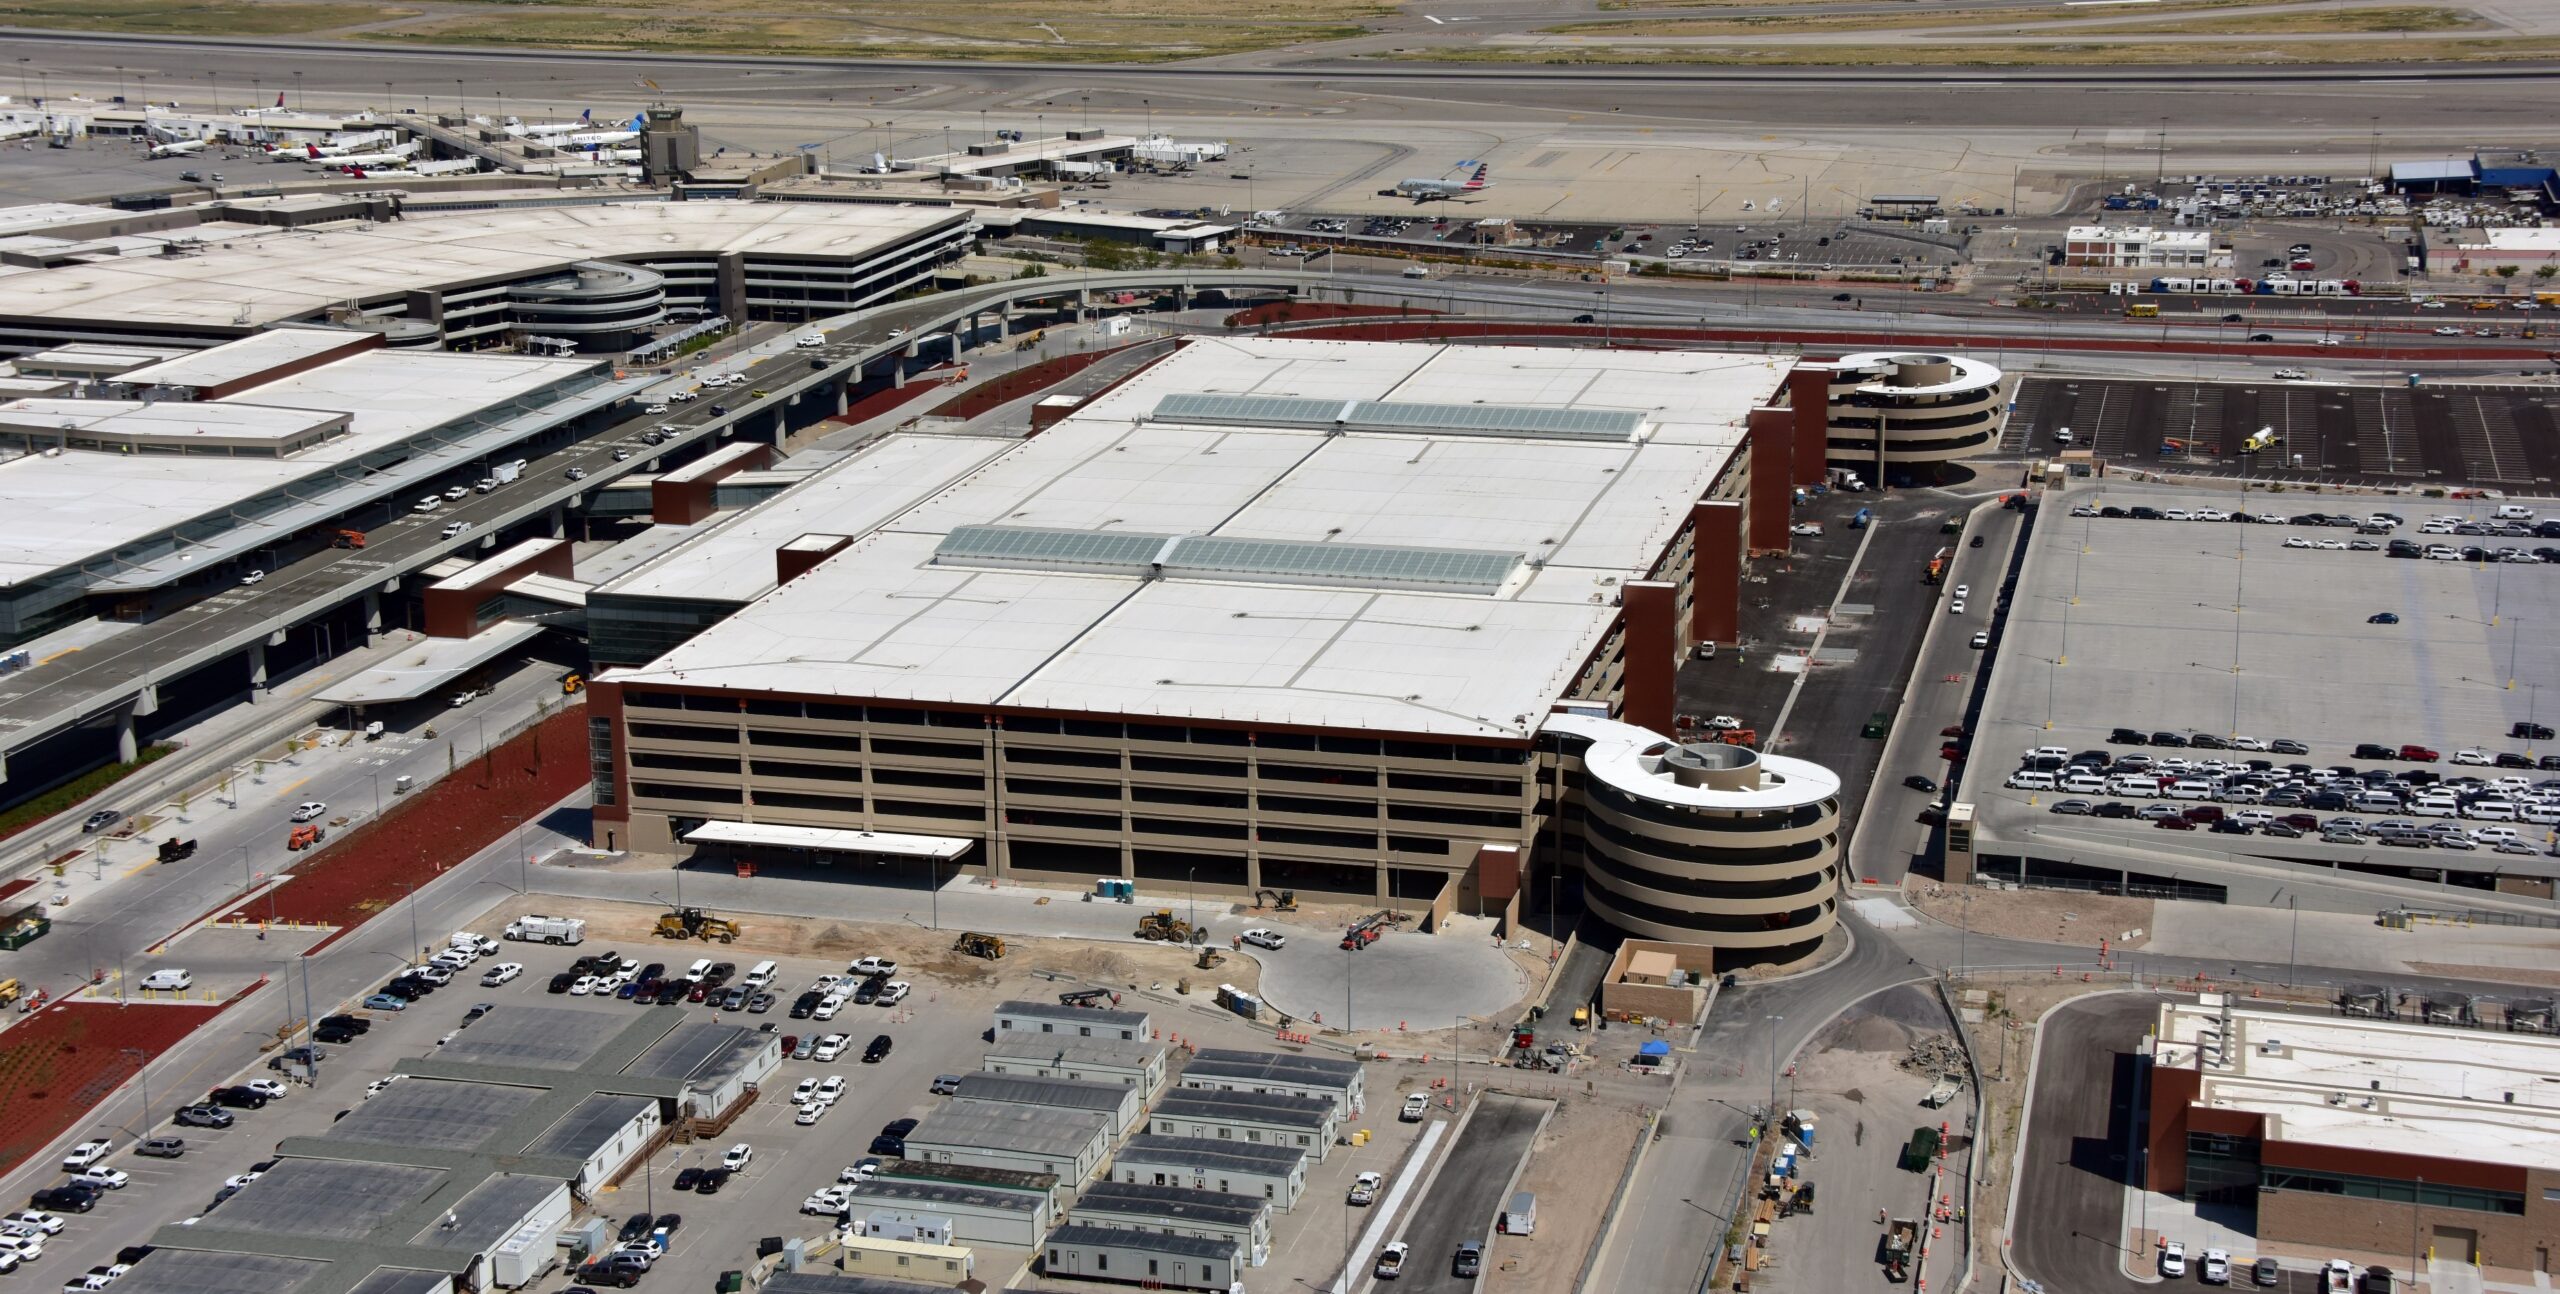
(1497, 420)
(1112, 552)
(1388, 415)
(1250, 410)
(1361, 564)
(1083, 550)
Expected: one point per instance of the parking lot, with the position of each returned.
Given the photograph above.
(2221, 629)
(2366, 435)
(941, 1027)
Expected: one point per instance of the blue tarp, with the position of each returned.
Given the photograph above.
(1657, 1047)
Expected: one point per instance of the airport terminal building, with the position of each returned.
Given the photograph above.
(1395, 622)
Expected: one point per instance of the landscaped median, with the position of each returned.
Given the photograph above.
(368, 869)
(58, 1063)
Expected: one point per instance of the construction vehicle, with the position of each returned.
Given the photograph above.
(990, 947)
(1898, 1241)
(9, 990)
(1362, 933)
(572, 683)
(1209, 957)
(348, 539)
(694, 923)
(1278, 900)
(1162, 924)
(1093, 997)
(175, 850)
(2260, 439)
(306, 836)
(536, 928)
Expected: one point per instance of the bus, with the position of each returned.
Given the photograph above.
(2142, 310)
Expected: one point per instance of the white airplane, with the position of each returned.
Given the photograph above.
(1425, 190)
(177, 148)
(341, 146)
(388, 157)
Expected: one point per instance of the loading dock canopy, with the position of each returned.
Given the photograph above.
(430, 664)
(944, 848)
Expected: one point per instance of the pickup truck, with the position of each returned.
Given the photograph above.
(1391, 1260)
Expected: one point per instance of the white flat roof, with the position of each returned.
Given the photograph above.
(2535, 239)
(732, 560)
(867, 842)
(487, 568)
(58, 511)
(711, 462)
(882, 619)
(45, 215)
(275, 275)
(2377, 1085)
(429, 664)
(167, 420)
(246, 357)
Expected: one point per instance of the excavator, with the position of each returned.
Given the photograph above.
(990, 947)
(694, 923)
(1275, 900)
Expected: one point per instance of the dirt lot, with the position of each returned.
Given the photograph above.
(1866, 1097)
(1574, 1168)
(2042, 915)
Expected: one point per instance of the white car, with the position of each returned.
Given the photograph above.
(1365, 1187)
(1416, 1105)
(2470, 755)
(829, 1047)
(806, 1092)
(809, 1113)
(830, 1091)
(1261, 938)
(1962, 590)
(828, 1199)
(869, 966)
(826, 1009)
(892, 993)
(36, 1220)
(682, 397)
(1956, 608)
(585, 986)
(2296, 541)
(825, 983)
(2173, 1258)
(101, 1177)
(1805, 528)
(26, 1246)
(253, 577)
(1723, 723)
(268, 1088)
(169, 977)
(738, 1157)
(2215, 1269)
(500, 974)
(655, 408)
(2248, 743)
(86, 1153)
(2448, 331)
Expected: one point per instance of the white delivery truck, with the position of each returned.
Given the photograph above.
(548, 930)
(507, 472)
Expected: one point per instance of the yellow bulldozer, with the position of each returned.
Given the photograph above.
(694, 923)
(990, 947)
(1162, 924)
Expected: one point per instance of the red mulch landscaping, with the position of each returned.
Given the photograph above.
(1019, 383)
(17, 887)
(879, 402)
(57, 1064)
(354, 876)
(1285, 311)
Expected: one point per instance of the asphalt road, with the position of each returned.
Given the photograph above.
(1465, 1195)
(2081, 1146)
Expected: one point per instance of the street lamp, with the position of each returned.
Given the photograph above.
(1774, 1022)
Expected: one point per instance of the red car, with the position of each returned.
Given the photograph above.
(2419, 754)
(2173, 824)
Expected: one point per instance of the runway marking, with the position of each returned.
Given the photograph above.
(1433, 21)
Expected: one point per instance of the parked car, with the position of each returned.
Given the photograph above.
(386, 1002)
(1261, 938)
(878, 1050)
(203, 1116)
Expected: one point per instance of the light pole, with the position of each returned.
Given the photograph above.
(142, 1074)
(1774, 1022)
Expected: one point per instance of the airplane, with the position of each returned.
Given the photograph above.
(177, 148)
(1426, 190)
(341, 146)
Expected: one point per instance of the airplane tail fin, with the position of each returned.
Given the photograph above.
(1478, 181)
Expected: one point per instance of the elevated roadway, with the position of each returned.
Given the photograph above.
(119, 681)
